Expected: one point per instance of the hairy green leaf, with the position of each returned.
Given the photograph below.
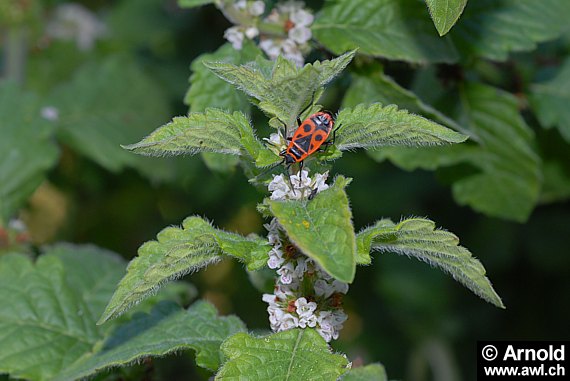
(445, 13)
(394, 29)
(550, 101)
(177, 252)
(493, 28)
(296, 354)
(166, 329)
(95, 117)
(417, 237)
(27, 147)
(376, 126)
(376, 87)
(212, 131)
(506, 179)
(322, 229)
(49, 309)
(285, 90)
(207, 90)
(372, 372)
(193, 3)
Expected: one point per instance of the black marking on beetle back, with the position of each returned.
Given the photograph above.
(304, 143)
(318, 137)
(296, 151)
(307, 127)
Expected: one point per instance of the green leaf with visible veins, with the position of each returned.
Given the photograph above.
(322, 229)
(506, 181)
(376, 126)
(372, 372)
(550, 101)
(27, 146)
(166, 329)
(417, 237)
(177, 252)
(293, 355)
(493, 28)
(207, 91)
(193, 3)
(211, 131)
(376, 87)
(445, 13)
(394, 29)
(49, 309)
(285, 90)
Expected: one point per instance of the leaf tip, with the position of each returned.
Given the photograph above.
(128, 147)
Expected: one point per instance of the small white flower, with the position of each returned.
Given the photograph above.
(302, 181)
(235, 36)
(50, 113)
(282, 292)
(270, 48)
(275, 258)
(275, 316)
(340, 286)
(270, 299)
(291, 52)
(308, 321)
(301, 268)
(286, 273)
(275, 138)
(251, 32)
(301, 17)
(257, 8)
(320, 182)
(279, 188)
(296, 58)
(240, 4)
(327, 334)
(288, 321)
(289, 47)
(304, 307)
(300, 34)
(323, 288)
(338, 317)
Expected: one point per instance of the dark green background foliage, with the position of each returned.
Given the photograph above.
(505, 193)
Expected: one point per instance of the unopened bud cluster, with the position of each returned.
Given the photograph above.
(304, 295)
(286, 32)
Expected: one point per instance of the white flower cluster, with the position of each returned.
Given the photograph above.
(304, 295)
(290, 17)
(72, 21)
(251, 10)
(296, 187)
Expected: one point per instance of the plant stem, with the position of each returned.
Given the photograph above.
(15, 54)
